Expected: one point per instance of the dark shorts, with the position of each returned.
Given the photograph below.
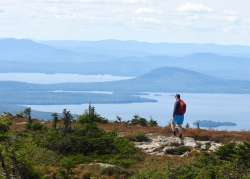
(178, 119)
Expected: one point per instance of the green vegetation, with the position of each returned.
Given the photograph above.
(138, 137)
(55, 119)
(137, 120)
(39, 148)
(231, 161)
(77, 147)
(90, 116)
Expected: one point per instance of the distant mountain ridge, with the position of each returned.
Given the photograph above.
(123, 58)
(147, 48)
(26, 50)
(165, 79)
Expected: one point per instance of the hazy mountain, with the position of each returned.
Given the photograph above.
(166, 79)
(169, 79)
(215, 65)
(24, 50)
(137, 48)
(127, 58)
(208, 63)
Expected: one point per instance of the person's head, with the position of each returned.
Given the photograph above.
(177, 96)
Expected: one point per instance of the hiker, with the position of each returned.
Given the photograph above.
(178, 115)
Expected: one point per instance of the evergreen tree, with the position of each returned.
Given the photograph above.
(67, 118)
(27, 115)
(118, 119)
(55, 119)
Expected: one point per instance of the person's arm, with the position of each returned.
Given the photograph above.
(175, 108)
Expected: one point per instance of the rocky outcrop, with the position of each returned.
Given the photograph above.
(95, 170)
(163, 145)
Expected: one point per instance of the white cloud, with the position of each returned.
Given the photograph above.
(145, 10)
(98, 2)
(194, 8)
(148, 20)
(231, 16)
(231, 19)
(200, 16)
(122, 18)
(135, 1)
(230, 12)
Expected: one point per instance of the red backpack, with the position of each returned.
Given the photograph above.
(182, 107)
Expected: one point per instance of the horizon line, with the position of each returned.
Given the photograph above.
(129, 40)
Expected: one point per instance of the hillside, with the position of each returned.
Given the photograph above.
(90, 146)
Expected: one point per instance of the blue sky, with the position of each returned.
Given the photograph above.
(200, 21)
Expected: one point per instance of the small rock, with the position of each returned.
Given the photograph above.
(214, 146)
(190, 142)
(204, 145)
(186, 154)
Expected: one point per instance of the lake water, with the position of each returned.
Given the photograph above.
(42, 78)
(216, 107)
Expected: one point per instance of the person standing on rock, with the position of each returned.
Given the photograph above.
(178, 115)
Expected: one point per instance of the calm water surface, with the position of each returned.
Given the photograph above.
(217, 107)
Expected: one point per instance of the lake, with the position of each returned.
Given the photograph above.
(216, 107)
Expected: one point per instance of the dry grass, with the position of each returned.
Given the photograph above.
(125, 130)
(220, 136)
(18, 124)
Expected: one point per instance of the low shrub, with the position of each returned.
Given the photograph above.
(139, 137)
(150, 174)
(86, 118)
(91, 141)
(137, 120)
(230, 161)
(152, 123)
(4, 124)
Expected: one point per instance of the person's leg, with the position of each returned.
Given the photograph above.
(173, 127)
(180, 130)
(179, 124)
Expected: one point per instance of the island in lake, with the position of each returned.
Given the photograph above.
(212, 124)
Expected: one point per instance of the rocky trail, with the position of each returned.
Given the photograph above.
(163, 145)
